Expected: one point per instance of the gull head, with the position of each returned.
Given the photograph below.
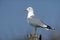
(30, 12)
(29, 9)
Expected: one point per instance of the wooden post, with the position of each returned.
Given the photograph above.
(34, 37)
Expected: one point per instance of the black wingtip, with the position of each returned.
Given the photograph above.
(50, 27)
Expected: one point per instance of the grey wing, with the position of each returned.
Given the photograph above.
(36, 22)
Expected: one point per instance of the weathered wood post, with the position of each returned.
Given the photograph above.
(34, 37)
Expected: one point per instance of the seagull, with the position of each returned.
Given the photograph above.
(35, 22)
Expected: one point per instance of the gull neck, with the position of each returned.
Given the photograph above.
(30, 14)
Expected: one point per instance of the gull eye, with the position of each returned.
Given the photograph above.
(29, 8)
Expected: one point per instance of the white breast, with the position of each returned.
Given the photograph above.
(30, 14)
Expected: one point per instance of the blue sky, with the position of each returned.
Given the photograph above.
(13, 21)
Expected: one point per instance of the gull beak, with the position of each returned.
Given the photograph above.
(25, 10)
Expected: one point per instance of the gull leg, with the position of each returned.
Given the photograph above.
(35, 34)
(35, 30)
